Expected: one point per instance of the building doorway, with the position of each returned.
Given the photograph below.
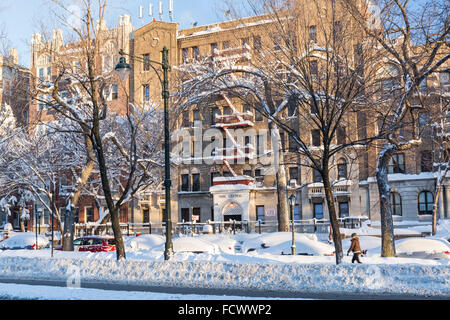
(236, 217)
(232, 211)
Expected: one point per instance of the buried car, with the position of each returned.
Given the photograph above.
(423, 248)
(93, 244)
(191, 245)
(280, 243)
(25, 240)
(144, 242)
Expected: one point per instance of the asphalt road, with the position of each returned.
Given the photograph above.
(224, 292)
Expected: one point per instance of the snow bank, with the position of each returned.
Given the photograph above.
(410, 279)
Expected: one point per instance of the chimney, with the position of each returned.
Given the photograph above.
(57, 38)
(124, 20)
(101, 24)
(14, 56)
(36, 40)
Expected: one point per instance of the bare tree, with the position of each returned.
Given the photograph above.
(32, 165)
(87, 106)
(322, 83)
(414, 39)
(440, 157)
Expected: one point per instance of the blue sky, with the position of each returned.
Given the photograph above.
(21, 18)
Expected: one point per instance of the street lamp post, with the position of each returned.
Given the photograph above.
(53, 232)
(124, 69)
(36, 215)
(38, 225)
(292, 200)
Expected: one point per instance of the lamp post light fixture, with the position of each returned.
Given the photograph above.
(124, 70)
(292, 200)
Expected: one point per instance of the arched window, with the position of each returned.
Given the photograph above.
(396, 204)
(342, 168)
(425, 202)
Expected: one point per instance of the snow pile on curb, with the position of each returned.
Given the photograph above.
(412, 279)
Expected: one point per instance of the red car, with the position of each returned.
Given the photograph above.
(93, 244)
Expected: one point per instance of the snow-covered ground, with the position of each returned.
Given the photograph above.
(248, 262)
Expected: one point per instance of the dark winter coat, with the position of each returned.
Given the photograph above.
(355, 246)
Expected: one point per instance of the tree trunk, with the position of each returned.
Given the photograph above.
(283, 208)
(333, 217)
(22, 225)
(113, 208)
(387, 225)
(69, 230)
(120, 247)
(282, 193)
(435, 209)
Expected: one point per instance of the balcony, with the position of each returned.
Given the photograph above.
(235, 153)
(235, 120)
(236, 55)
(244, 180)
(315, 190)
(340, 188)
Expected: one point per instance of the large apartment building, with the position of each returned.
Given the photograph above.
(237, 179)
(237, 183)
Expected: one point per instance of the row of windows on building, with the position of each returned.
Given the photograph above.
(45, 73)
(397, 162)
(318, 212)
(43, 215)
(425, 203)
(342, 171)
(191, 182)
(194, 52)
(110, 93)
(196, 214)
(215, 114)
(258, 145)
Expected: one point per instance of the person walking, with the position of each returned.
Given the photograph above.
(355, 247)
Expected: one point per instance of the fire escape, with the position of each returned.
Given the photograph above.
(234, 151)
